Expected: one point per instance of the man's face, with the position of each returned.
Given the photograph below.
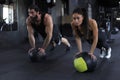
(33, 14)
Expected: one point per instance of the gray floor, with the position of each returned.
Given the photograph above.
(15, 64)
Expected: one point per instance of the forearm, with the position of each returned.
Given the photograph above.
(31, 40)
(79, 44)
(94, 44)
(46, 42)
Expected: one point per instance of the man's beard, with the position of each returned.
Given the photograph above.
(34, 18)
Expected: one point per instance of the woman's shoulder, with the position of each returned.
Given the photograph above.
(92, 20)
(92, 23)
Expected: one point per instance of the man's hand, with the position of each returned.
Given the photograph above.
(41, 51)
(30, 50)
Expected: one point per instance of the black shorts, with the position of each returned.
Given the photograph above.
(57, 39)
(101, 39)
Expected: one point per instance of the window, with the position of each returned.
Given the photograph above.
(65, 7)
(8, 14)
(9, 18)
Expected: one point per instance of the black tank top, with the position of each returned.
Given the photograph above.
(40, 28)
(89, 35)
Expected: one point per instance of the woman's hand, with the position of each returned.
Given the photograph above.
(77, 54)
(92, 56)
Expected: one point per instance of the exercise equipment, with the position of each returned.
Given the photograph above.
(115, 30)
(33, 55)
(84, 63)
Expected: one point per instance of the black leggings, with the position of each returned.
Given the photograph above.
(101, 39)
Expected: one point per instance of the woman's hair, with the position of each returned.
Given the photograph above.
(83, 12)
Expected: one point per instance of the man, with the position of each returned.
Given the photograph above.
(43, 24)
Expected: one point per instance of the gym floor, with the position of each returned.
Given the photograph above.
(15, 64)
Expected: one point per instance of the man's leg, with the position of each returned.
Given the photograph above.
(66, 42)
(53, 45)
(57, 40)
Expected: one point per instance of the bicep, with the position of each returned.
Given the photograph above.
(30, 30)
(49, 26)
(29, 27)
(94, 28)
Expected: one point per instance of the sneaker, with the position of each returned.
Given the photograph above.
(108, 53)
(103, 53)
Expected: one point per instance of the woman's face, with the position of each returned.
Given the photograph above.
(77, 19)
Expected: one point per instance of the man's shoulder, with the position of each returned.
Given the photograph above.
(28, 19)
(47, 15)
(47, 18)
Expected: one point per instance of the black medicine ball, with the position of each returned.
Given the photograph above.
(33, 55)
(83, 62)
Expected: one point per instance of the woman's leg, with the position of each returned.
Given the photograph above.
(103, 45)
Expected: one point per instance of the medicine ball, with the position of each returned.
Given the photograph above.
(115, 30)
(33, 55)
(84, 63)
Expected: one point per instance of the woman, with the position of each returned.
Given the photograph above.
(87, 28)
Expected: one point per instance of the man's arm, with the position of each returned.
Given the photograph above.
(49, 30)
(30, 33)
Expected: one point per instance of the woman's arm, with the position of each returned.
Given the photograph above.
(77, 38)
(94, 27)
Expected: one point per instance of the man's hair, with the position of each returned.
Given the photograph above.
(35, 7)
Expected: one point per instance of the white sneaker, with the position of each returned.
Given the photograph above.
(108, 53)
(103, 53)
